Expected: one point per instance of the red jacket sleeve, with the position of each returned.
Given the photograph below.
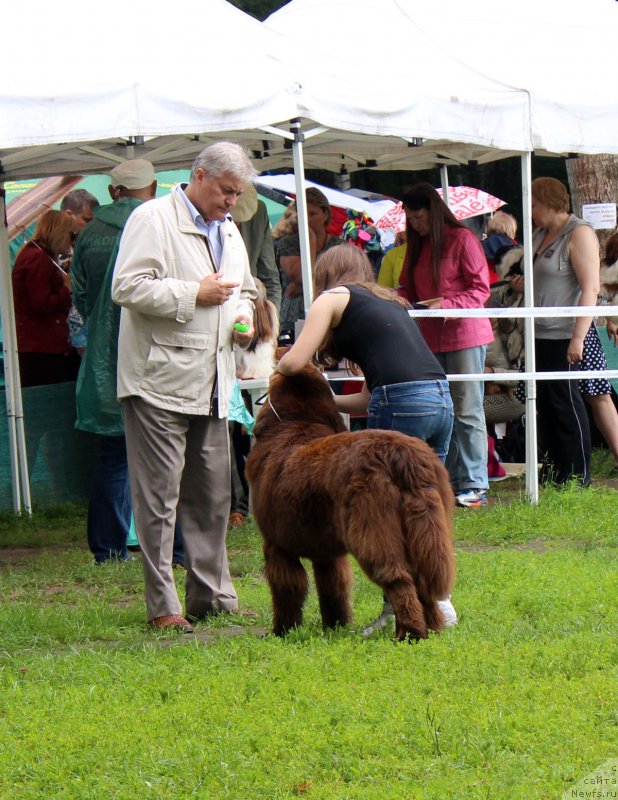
(46, 290)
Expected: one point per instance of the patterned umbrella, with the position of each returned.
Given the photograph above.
(32, 204)
(464, 202)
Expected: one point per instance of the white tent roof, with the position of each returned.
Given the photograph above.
(133, 93)
(143, 73)
(419, 96)
(364, 66)
(78, 87)
(562, 52)
(80, 91)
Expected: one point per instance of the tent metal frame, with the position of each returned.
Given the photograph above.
(172, 152)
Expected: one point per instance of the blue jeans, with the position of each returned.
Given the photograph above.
(467, 456)
(418, 408)
(109, 508)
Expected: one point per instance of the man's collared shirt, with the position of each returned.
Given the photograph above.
(212, 230)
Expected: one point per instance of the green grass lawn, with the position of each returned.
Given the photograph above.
(520, 700)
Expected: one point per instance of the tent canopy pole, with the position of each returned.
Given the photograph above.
(14, 407)
(532, 475)
(444, 183)
(301, 209)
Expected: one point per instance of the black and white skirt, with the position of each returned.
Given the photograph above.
(594, 359)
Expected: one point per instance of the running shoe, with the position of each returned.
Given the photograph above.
(471, 498)
(448, 612)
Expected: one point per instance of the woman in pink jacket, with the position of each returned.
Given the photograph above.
(445, 267)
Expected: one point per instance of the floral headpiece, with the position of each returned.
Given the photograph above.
(360, 231)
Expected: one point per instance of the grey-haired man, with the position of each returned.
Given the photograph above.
(183, 280)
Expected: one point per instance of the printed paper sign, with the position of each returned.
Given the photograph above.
(602, 216)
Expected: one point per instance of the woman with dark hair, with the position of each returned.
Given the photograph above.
(405, 388)
(287, 251)
(446, 268)
(42, 297)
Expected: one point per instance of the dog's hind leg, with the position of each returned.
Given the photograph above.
(433, 615)
(398, 586)
(409, 613)
(380, 549)
(333, 579)
(288, 583)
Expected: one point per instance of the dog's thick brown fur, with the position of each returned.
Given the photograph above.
(320, 492)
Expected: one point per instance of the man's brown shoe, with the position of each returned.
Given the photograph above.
(174, 621)
(236, 519)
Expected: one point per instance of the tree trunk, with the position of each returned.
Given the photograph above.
(593, 179)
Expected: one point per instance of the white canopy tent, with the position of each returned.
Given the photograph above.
(403, 88)
(129, 100)
(132, 83)
(562, 52)
(139, 75)
(557, 54)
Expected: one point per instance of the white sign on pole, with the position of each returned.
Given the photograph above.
(602, 216)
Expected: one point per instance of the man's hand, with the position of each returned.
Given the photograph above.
(243, 338)
(214, 291)
(612, 331)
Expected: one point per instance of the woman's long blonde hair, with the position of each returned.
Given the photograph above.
(53, 233)
(288, 224)
(341, 265)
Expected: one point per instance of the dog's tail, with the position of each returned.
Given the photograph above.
(427, 505)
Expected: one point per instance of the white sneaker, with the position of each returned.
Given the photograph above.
(381, 622)
(449, 616)
(448, 612)
(471, 498)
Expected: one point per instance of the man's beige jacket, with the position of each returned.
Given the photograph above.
(173, 353)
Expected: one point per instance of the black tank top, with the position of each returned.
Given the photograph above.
(381, 337)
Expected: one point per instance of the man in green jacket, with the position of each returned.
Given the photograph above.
(98, 410)
(251, 216)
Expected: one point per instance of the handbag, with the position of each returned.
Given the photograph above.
(503, 407)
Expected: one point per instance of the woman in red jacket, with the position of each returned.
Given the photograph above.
(42, 297)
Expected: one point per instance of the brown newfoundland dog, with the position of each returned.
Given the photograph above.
(320, 492)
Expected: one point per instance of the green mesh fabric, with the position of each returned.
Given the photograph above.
(60, 458)
(611, 354)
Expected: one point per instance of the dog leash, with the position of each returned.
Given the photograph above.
(260, 401)
(53, 260)
(272, 408)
